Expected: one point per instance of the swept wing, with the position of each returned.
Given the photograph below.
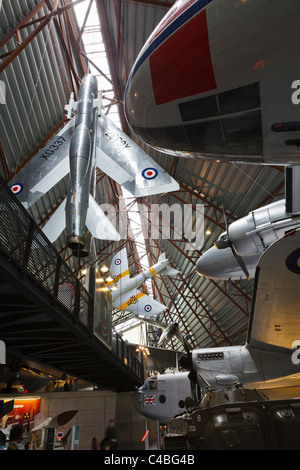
(125, 162)
(116, 155)
(45, 169)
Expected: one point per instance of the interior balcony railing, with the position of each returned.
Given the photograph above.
(24, 245)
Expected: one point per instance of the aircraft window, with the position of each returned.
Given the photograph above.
(181, 404)
(162, 399)
(145, 386)
(234, 135)
(205, 136)
(204, 356)
(232, 101)
(150, 384)
(243, 134)
(168, 137)
(199, 109)
(240, 99)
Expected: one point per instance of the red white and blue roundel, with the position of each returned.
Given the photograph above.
(293, 261)
(117, 262)
(16, 188)
(147, 308)
(149, 173)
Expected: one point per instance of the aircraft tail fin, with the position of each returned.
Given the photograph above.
(56, 224)
(98, 224)
(162, 257)
(169, 271)
(96, 221)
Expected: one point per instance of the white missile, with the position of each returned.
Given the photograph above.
(124, 289)
(60, 420)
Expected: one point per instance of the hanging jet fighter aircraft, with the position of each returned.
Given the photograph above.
(220, 80)
(124, 290)
(88, 140)
(169, 331)
(236, 253)
(270, 357)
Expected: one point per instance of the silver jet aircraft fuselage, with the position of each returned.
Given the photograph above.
(81, 163)
(88, 140)
(168, 330)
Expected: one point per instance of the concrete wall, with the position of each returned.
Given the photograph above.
(95, 408)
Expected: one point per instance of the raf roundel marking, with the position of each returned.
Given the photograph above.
(147, 308)
(117, 262)
(16, 188)
(293, 261)
(149, 173)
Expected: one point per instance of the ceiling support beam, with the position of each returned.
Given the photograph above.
(105, 28)
(193, 264)
(74, 42)
(154, 260)
(24, 23)
(217, 209)
(66, 52)
(197, 300)
(155, 3)
(14, 53)
(201, 316)
(41, 145)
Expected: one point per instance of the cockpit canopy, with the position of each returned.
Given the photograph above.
(150, 383)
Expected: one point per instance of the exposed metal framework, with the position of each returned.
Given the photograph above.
(212, 313)
(47, 315)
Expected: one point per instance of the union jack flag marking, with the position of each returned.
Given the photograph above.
(149, 400)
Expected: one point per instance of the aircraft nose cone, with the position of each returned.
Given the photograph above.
(139, 103)
(137, 400)
(63, 418)
(221, 264)
(132, 109)
(218, 264)
(210, 263)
